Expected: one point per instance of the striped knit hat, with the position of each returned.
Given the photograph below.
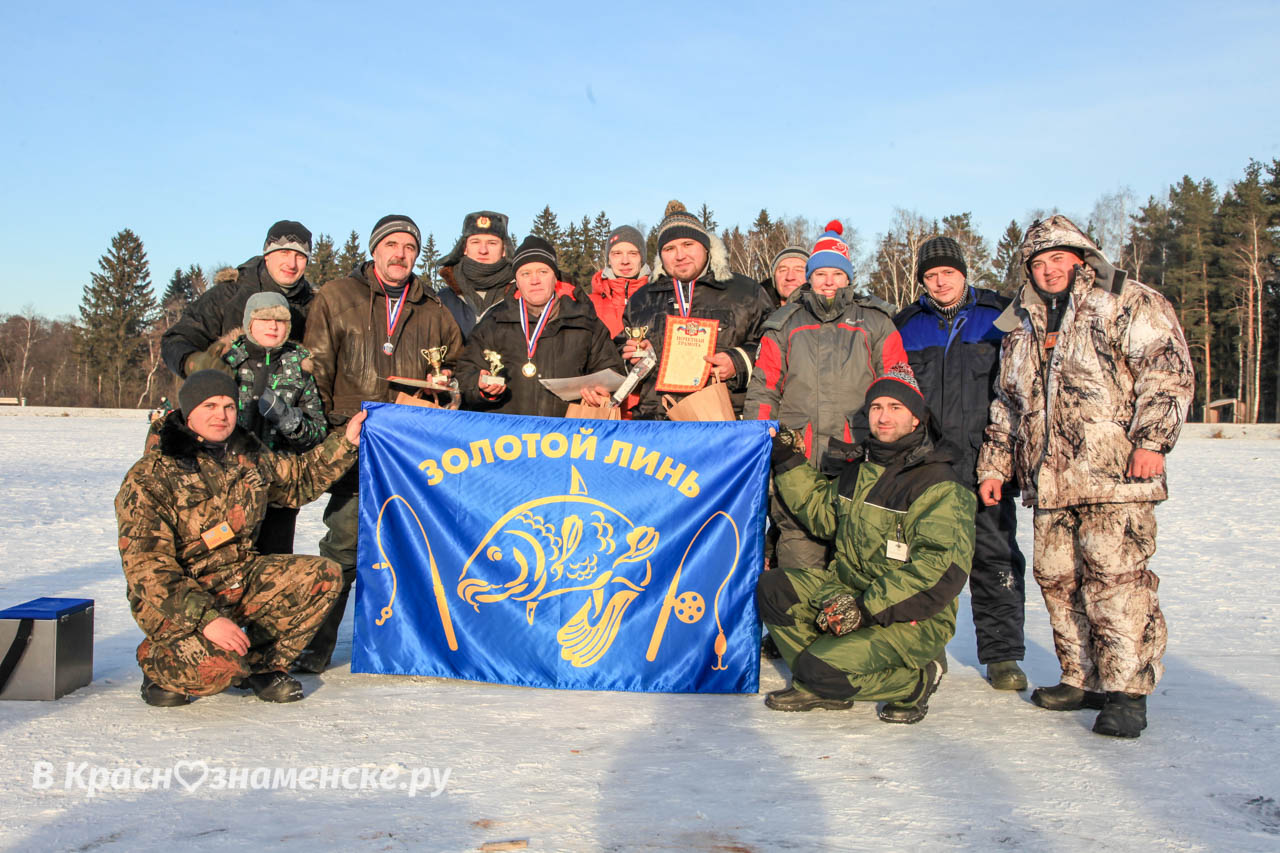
(788, 252)
(392, 224)
(535, 250)
(939, 252)
(679, 224)
(899, 382)
(830, 251)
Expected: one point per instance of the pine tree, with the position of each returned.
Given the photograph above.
(600, 229)
(546, 226)
(352, 254)
(323, 264)
(178, 293)
(1008, 277)
(708, 217)
(427, 262)
(117, 309)
(1193, 276)
(199, 284)
(959, 227)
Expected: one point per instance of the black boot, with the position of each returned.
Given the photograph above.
(913, 710)
(769, 648)
(310, 662)
(274, 686)
(798, 699)
(1124, 715)
(154, 694)
(1064, 697)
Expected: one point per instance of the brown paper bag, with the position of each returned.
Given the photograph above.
(711, 403)
(403, 399)
(604, 413)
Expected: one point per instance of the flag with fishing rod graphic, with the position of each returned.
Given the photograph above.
(568, 553)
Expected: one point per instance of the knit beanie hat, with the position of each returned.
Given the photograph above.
(789, 252)
(899, 382)
(830, 251)
(202, 385)
(287, 234)
(535, 249)
(679, 224)
(265, 305)
(388, 225)
(939, 252)
(624, 234)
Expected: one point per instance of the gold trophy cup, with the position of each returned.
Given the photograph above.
(435, 355)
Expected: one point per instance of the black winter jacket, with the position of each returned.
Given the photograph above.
(220, 309)
(737, 302)
(573, 343)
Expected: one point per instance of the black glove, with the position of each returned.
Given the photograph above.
(840, 614)
(286, 418)
(786, 444)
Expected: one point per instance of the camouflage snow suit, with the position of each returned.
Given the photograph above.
(908, 605)
(178, 584)
(1065, 422)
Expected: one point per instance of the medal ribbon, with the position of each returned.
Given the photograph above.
(393, 317)
(685, 305)
(531, 343)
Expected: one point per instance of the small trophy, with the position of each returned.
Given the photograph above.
(435, 355)
(495, 365)
(639, 370)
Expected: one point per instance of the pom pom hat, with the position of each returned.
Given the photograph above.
(830, 251)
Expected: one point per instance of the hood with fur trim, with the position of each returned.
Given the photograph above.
(717, 262)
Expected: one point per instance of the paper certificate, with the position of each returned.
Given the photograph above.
(685, 346)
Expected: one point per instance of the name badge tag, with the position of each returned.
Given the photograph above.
(895, 550)
(215, 536)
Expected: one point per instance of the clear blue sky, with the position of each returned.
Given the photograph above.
(199, 127)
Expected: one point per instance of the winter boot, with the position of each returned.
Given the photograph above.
(154, 694)
(1006, 675)
(310, 662)
(1064, 697)
(274, 686)
(913, 710)
(798, 699)
(1123, 715)
(769, 649)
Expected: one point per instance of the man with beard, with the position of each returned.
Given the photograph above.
(218, 311)
(478, 269)
(874, 625)
(692, 280)
(364, 328)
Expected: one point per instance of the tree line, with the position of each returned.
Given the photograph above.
(1213, 252)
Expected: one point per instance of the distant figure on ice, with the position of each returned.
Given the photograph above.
(874, 625)
(281, 268)
(1095, 382)
(954, 350)
(214, 611)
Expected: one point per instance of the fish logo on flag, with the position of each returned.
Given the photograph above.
(560, 553)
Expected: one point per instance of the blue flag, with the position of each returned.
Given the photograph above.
(552, 552)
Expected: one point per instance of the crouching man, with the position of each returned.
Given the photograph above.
(214, 611)
(874, 624)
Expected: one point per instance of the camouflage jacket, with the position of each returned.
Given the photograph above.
(1119, 377)
(916, 500)
(180, 490)
(287, 375)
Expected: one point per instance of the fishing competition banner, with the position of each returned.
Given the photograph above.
(552, 552)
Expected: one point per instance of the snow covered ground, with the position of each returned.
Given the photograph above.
(615, 771)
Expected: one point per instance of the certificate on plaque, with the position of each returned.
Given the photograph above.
(685, 346)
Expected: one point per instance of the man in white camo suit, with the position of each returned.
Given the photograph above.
(1095, 383)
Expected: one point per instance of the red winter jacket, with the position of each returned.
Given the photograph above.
(610, 295)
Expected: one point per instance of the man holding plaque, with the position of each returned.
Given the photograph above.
(542, 331)
(697, 318)
(372, 324)
(818, 355)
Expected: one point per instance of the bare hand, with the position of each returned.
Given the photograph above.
(596, 395)
(492, 392)
(721, 366)
(227, 635)
(353, 428)
(990, 492)
(1145, 464)
(632, 352)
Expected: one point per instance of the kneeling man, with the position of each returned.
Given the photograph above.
(874, 624)
(214, 611)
